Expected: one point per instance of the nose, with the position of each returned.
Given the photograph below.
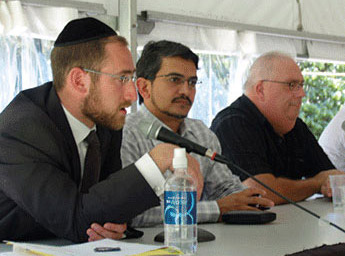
(301, 92)
(130, 93)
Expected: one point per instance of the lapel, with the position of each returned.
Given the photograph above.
(58, 116)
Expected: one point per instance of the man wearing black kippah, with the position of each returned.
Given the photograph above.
(47, 184)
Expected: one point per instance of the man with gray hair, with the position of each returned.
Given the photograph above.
(261, 132)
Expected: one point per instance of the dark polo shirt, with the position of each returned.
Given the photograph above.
(248, 139)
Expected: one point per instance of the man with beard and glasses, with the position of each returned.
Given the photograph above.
(60, 166)
(167, 81)
(261, 132)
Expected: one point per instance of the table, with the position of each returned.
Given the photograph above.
(292, 231)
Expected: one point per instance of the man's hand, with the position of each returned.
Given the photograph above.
(108, 230)
(194, 171)
(323, 179)
(163, 155)
(242, 200)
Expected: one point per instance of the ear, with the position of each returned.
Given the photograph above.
(79, 80)
(144, 87)
(259, 90)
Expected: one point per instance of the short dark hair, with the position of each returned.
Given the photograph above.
(150, 60)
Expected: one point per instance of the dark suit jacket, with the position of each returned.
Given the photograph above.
(40, 174)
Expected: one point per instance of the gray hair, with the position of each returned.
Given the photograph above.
(264, 67)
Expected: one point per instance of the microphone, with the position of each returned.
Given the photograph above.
(153, 130)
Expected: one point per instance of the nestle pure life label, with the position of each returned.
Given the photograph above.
(180, 207)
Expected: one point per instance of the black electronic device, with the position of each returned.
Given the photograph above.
(132, 233)
(153, 130)
(202, 236)
(248, 217)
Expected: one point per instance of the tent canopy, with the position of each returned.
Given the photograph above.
(307, 28)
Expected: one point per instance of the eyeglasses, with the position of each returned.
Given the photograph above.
(124, 79)
(177, 80)
(293, 86)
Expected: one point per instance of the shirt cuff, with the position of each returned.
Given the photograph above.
(151, 173)
(208, 211)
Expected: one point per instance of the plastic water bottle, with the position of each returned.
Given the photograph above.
(180, 223)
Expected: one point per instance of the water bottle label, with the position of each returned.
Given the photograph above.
(180, 207)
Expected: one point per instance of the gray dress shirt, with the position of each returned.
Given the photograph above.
(218, 179)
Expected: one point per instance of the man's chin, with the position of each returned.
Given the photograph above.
(118, 125)
(115, 124)
(176, 115)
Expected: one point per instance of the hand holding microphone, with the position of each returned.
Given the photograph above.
(162, 155)
(236, 201)
(153, 130)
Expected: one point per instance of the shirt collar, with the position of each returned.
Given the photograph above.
(253, 110)
(79, 130)
(184, 127)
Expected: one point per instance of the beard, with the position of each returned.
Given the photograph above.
(91, 108)
(168, 113)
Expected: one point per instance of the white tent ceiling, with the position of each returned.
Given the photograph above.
(317, 16)
(312, 28)
(319, 25)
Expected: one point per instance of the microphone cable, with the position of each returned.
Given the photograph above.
(223, 160)
(154, 130)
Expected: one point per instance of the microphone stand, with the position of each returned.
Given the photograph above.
(222, 159)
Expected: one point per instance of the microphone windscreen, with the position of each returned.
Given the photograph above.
(149, 128)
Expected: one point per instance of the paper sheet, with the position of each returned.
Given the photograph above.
(86, 249)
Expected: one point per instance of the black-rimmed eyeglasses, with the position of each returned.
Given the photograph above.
(177, 80)
(293, 86)
(124, 79)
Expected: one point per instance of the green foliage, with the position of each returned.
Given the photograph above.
(324, 94)
(220, 65)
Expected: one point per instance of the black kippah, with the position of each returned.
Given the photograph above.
(83, 30)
